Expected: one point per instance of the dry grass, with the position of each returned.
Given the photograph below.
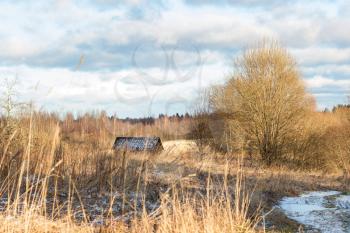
(50, 178)
(179, 211)
(60, 180)
(60, 175)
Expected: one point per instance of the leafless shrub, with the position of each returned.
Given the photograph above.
(264, 102)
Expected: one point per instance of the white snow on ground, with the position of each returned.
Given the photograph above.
(180, 146)
(326, 211)
(343, 202)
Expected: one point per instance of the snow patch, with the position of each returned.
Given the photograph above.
(325, 211)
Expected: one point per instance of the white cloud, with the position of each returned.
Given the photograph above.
(337, 69)
(320, 81)
(43, 41)
(322, 55)
(116, 91)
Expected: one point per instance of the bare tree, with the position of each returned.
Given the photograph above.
(266, 97)
(8, 100)
(11, 134)
(338, 143)
(199, 127)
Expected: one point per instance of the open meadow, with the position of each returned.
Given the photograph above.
(63, 176)
(174, 116)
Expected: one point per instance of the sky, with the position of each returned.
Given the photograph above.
(141, 58)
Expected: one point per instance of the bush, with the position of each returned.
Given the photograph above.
(265, 101)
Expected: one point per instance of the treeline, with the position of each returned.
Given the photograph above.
(96, 127)
(339, 106)
(101, 125)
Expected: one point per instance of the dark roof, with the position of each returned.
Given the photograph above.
(138, 143)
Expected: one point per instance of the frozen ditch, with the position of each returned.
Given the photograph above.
(321, 211)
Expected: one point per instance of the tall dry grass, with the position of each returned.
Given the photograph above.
(48, 176)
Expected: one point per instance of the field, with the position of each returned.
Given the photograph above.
(62, 176)
(174, 116)
(246, 160)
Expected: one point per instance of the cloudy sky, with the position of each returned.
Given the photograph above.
(139, 58)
